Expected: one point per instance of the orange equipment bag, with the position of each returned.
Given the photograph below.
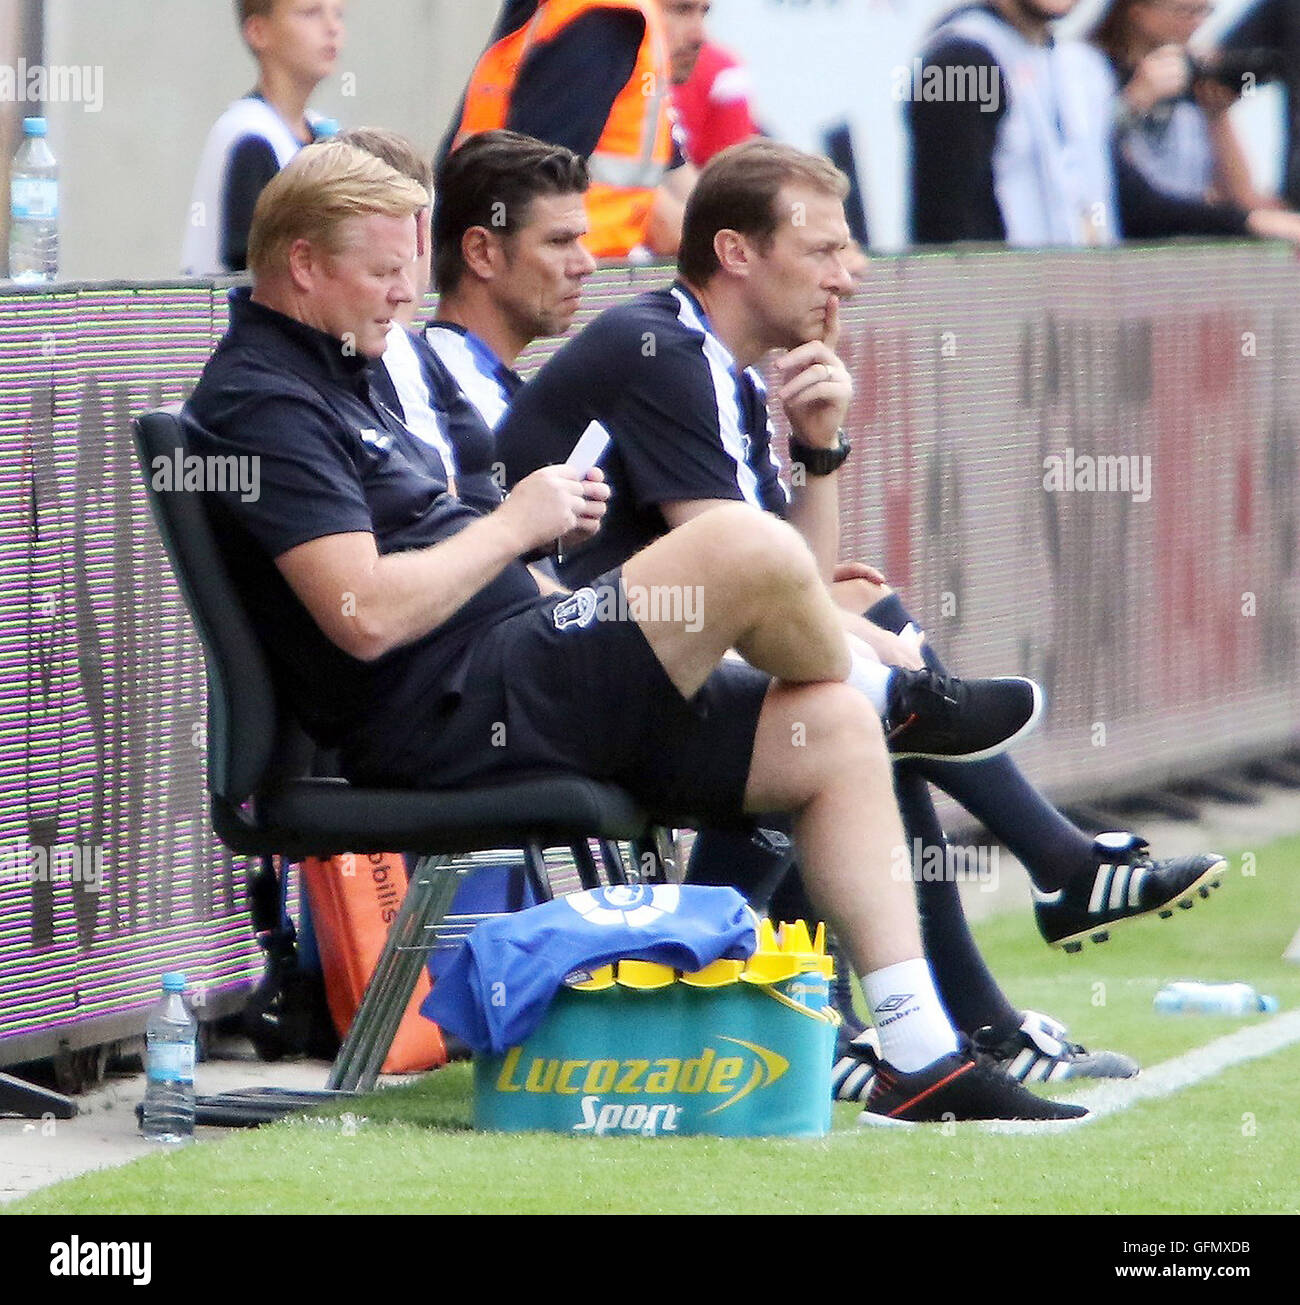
(353, 899)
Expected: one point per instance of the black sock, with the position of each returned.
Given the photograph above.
(1050, 847)
(753, 863)
(969, 991)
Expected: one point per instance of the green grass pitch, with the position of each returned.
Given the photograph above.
(1227, 1145)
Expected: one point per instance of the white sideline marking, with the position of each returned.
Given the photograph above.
(1194, 1066)
(1271, 1034)
(1170, 1076)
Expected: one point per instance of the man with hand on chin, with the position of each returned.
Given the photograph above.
(672, 377)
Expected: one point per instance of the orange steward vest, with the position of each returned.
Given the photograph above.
(636, 146)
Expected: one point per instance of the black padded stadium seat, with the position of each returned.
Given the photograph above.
(268, 798)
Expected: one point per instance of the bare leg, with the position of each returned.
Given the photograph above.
(758, 592)
(819, 752)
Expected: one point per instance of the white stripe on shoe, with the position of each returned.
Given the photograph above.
(1118, 884)
(1100, 886)
(1135, 886)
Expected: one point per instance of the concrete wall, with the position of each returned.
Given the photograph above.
(169, 68)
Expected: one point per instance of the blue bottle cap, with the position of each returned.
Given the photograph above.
(35, 127)
(173, 981)
(325, 129)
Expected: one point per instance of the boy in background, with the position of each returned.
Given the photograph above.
(296, 44)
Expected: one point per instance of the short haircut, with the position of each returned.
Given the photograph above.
(1110, 32)
(395, 150)
(246, 9)
(318, 190)
(491, 181)
(738, 191)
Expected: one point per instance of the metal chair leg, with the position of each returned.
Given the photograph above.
(538, 876)
(428, 898)
(611, 857)
(585, 863)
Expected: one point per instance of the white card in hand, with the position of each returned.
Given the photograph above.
(588, 450)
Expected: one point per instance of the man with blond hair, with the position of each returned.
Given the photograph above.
(407, 632)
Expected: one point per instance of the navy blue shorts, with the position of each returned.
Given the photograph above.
(559, 686)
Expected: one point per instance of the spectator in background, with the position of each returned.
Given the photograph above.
(1264, 45)
(710, 86)
(1012, 140)
(589, 75)
(296, 44)
(1173, 125)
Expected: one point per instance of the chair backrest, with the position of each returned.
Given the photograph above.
(251, 740)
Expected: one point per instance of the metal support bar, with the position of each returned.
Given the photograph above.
(428, 898)
(612, 858)
(585, 863)
(538, 876)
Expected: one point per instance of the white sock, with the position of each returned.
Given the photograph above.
(870, 678)
(908, 1015)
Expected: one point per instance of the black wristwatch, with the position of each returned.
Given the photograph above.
(821, 462)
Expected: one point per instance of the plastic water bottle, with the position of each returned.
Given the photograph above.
(169, 1066)
(1189, 998)
(34, 208)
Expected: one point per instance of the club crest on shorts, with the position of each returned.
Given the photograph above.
(578, 609)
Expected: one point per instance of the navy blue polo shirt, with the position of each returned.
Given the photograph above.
(332, 458)
(685, 422)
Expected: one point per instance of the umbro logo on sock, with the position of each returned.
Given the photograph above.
(894, 1001)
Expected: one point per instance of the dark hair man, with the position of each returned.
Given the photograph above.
(508, 228)
(672, 378)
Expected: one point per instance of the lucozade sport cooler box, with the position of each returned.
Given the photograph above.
(739, 1049)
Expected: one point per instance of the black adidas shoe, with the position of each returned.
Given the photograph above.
(1038, 1051)
(942, 718)
(957, 1087)
(854, 1070)
(1125, 883)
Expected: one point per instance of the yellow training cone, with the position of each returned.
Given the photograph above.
(599, 980)
(794, 939)
(771, 967)
(717, 975)
(645, 975)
